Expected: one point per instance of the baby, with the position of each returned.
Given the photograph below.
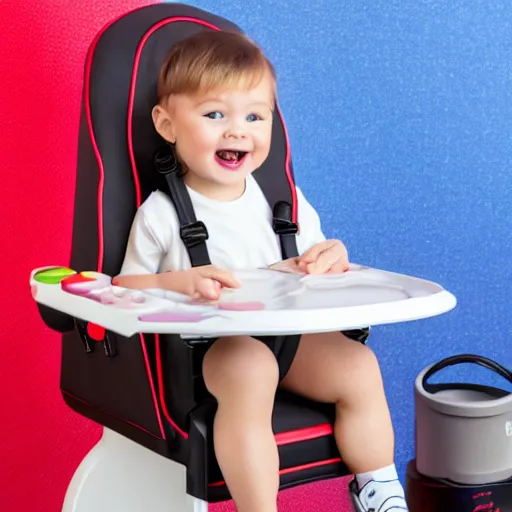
(216, 98)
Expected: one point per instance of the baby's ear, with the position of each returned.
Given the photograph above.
(163, 123)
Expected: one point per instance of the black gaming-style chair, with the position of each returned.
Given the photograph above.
(148, 388)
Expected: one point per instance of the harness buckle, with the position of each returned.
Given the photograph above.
(284, 226)
(193, 234)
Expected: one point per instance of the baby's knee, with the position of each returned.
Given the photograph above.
(365, 369)
(240, 365)
(364, 359)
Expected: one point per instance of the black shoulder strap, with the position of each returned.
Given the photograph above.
(286, 229)
(194, 233)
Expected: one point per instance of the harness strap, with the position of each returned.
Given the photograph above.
(193, 233)
(287, 230)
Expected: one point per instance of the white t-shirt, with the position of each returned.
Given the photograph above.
(240, 232)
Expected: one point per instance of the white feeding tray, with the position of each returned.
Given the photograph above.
(267, 302)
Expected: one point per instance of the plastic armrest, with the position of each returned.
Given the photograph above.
(56, 320)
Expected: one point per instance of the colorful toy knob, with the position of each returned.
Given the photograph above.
(53, 275)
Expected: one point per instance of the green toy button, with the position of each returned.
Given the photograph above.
(53, 275)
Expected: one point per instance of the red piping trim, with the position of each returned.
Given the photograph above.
(133, 85)
(303, 434)
(293, 469)
(99, 160)
(161, 388)
(288, 170)
(101, 181)
(138, 196)
(88, 67)
(151, 383)
(111, 414)
(311, 465)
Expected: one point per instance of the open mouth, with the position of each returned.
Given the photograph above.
(230, 158)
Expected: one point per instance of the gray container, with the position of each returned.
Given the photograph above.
(463, 431)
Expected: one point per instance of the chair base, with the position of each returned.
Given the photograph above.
(119, 474)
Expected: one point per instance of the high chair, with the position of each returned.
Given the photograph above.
(137, 375)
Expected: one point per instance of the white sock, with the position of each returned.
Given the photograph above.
(381, 475)
(381, 490)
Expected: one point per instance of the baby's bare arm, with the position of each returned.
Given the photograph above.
(196, 282)
(137, 282)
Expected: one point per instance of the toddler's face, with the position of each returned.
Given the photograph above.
(222, 137)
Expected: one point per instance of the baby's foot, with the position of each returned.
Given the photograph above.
(378, 496)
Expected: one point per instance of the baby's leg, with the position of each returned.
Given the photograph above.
(332, 368)
(242, 374)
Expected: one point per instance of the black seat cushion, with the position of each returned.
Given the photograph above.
(303, 431)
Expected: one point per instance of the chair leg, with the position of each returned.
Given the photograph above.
(119, 474)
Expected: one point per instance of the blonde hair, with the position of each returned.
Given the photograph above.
(212, 60)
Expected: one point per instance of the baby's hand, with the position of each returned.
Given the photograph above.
(199, 282)
(290, 265)
(328, 257)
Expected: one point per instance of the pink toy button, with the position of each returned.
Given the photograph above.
(172, 317)
(241, 306)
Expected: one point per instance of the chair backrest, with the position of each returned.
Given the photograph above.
(150, 378)
(117, 140)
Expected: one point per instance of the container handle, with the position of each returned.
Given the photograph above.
(459, 359)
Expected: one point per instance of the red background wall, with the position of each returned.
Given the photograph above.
(42, 51)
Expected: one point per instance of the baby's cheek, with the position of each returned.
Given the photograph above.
(195, 153)
(262, 151)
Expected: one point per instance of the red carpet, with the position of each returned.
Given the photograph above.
(329, 496)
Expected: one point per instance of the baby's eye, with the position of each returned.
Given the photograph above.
(214, 115)
(253, 117)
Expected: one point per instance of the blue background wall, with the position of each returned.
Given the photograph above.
(399, 115)
(400, 119)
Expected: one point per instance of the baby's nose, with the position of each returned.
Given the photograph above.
(236, 130)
